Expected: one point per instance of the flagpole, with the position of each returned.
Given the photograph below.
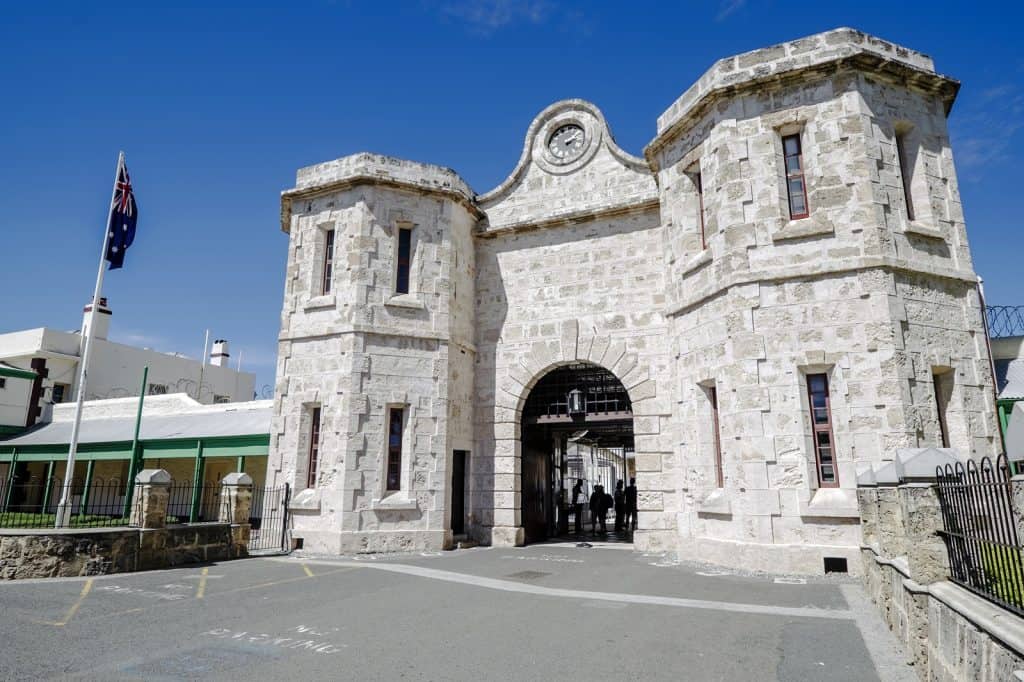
(64, 507)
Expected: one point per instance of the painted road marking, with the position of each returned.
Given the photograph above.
(307, 570)
(201, 589)
(645, 599)
(74, 607)
(317, 646)
(545, 557)
(139, 592)
(714, 574)
(791, 581)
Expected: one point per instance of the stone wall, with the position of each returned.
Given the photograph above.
(948, 632)
(65, 553)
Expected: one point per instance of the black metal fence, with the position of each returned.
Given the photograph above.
(33, 502)
(980, 531)
(1005, 320)
(268, 519)
(190, 503)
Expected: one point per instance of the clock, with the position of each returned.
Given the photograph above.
(567, 143)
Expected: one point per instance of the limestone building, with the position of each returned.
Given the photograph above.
(778, 294)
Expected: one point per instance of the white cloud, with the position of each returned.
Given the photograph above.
(487, 16)
(727, 8)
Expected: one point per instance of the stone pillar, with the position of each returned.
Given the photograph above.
(236, 508)
(927, 558)
(149, 500)
(1017, 502)
(889, 524)
(236, 498)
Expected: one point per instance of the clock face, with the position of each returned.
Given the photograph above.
(566, 144)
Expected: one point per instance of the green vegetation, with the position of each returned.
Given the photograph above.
(1004, 572)
(34, 520)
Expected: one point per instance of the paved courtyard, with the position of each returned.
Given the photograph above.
(552, 611)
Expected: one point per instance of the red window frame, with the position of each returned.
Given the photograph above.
(793, 164)
(698, 180)
(821, 429)
(939, 380)
(404, 260)
(314, 447)
(713, 399)
(328, 277)
(906, 174)
(396, 428)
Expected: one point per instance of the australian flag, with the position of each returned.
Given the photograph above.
(124, 213)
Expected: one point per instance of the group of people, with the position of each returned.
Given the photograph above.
(624, 503)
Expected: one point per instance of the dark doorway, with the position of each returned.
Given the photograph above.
(577, 426)
(459, 491)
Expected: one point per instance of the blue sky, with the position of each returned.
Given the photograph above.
(216, 105)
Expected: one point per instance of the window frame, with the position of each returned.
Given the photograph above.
(327, 269)
(403, 264)
(800, 174)
(712, 392)
(394, 452)
(939, 380)
(698, 181)
(313, 452)
(817, 428)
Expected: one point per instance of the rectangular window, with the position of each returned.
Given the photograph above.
(821, 427)
(796, 187)
(395, 428)
(3, 382)
(158, 389)
(713, 398)
(404, 259)
(221, 399)
(314, 447)
(906, 173)
(325, 285)
(60, 392)
(699, 182)
(943, 382)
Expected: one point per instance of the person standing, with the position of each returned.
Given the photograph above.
(597, 508)
(631, 505)
(620, 505)
(577, 504)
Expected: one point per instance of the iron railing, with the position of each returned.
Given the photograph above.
(980, 531)
(190, 503)
(32, 503)
(1005, 320)
(268, 519)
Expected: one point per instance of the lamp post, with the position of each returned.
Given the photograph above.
(577, 402)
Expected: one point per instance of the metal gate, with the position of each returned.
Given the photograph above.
(268, 519)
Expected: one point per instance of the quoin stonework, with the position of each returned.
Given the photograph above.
(776, 296)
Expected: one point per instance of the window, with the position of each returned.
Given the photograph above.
(220, 399)
(713, 399)
(698, 182)
(395, 428)
(314, 447)
(158, 389)
(404, 259)
(821, 430)
(3, 382)
(906, 172)
(796, 187)
(943, 381)
(59, 393)
(325, 284)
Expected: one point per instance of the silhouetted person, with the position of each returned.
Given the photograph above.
(620, 505)
(631, 505)
(577, 504)
(598, 509)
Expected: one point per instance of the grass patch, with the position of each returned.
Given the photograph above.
(1004, 572)
(36, 520)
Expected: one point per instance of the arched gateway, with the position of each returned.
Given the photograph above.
(576, 427)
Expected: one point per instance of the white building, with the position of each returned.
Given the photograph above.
(115, 370)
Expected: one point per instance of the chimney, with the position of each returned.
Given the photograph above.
(101, 318)
(219, 353)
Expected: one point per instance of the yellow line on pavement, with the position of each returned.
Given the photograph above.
(201, 590)
(74, 607)
(306, 569)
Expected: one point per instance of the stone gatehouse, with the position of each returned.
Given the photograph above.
(779, 293)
